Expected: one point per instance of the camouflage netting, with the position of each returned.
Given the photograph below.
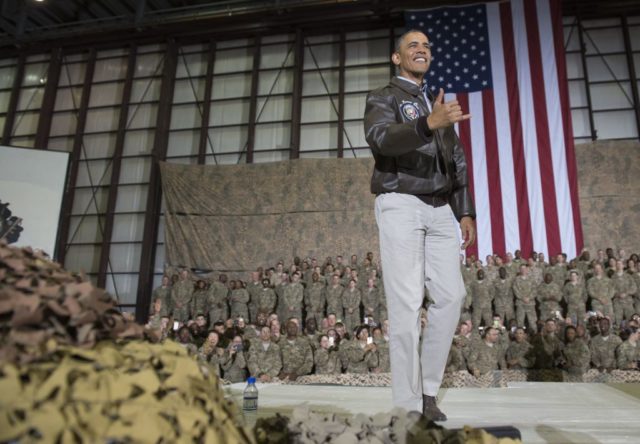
(498, 378)
(73, 369)
(232, 217)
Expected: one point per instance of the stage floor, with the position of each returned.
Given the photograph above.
(543, 412)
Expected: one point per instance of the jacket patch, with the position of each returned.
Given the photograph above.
(409, 110)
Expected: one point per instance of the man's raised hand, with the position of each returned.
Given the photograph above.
(445, 114)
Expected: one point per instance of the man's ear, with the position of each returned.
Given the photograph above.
(395, 58)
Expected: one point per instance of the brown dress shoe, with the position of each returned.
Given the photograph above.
(430, 409)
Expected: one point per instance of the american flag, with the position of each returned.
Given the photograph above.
(504, 62)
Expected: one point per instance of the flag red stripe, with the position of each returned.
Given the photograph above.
(517, 144)
(547, 181)
(464, 131)
(572, 171)
(493, 173)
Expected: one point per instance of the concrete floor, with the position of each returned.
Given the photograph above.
(543, 412)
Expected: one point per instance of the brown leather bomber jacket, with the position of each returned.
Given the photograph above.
(409, 157)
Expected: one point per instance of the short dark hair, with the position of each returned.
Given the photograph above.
(398, 41)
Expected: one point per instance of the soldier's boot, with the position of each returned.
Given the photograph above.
(430, 409)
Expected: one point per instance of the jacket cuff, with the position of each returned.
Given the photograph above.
(423, 130)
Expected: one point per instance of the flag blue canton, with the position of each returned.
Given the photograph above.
(461, 61)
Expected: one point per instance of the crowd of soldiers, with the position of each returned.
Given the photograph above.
(331, 318)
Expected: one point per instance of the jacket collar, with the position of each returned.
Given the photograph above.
(410, 87)
(406, 86)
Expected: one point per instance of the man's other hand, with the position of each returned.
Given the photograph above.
(445, 114)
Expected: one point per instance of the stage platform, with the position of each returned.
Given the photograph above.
(564, 413)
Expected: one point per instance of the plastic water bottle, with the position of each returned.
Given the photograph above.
(250, 396)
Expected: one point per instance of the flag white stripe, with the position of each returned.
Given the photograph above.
(530, 139)
(556, 130)
(480, 180)
(503, 130)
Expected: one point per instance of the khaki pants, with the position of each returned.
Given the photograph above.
(418, 246)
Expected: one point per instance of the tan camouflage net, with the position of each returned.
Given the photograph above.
(497, 378)
(73, 369)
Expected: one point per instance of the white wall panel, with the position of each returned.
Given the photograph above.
(611, 67)
(615, 124)
(191, 65)
(229, 112)
(6, 76)
(82, 258)
(106, 94)
(367, 51)
(110, 69)
(142, 116)
(138, 142)
(72, 73)
(319, 109)
(183, 143)
(275, 82)
(63, 123)
(131, 198)
(611, 95)
(272, 136)
(228, 139)
(30, 98)
(276, 56)
(145, 90)
(233, 60)
(90, 201)
(135, 170)
(102, 120)
(231, 86)
(318, 82)
(97, 146)
(321, 56)
(273, 108)
(185, 116)
(124, 287)
(127, 227)
(318, 136)
(85, 229)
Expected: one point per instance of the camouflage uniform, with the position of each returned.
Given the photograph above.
(315, 300)
(234, 367)
(351, 302)
(503, 299)
(181, 294)
(603, 351)
(626, 354)
(371, 301)
(547, 350)
(455, 360)
(264, 362)
(199, 302)
(624, 287)
(559, 273)
(524, 291)
(636, 278)
(164, 294)
(282, 309)
(267, 300)
(292, 301)
(217, 301)
(520, 352)
(384, 360)
(359, 361)
(576, 297)
(327, 361)
(468, 277)
(485, 358)
(549, 296)
(239, 300)
(255, 290)
(334, 300)
(576, 356)
(383, 313)
(297, 356)
(482, 296)
(601, 291)
(216, 360)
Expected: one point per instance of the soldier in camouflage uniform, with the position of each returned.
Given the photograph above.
(575, 296)
(624, 288)
(503, 296)
(557, 269)
(265, 360)
(326, 358)
(292, 298)
(254, 287)
(211, 352)
(549, 296)
(351, 298)
(487, 355)
(468, 277)
(536, 273)
(181, 294)
(239, 299)
(334, 297)
(519, 353)
(455, 360)
(603, 347)
(628, 353)
(217, 300)
(315, 299)
(600, 290)
(361, 356)
(371, 300)
(163, 292)
(547, 347)
(280, 289)
(199, 299)
(267, 299)
(482, 297)
(576, 355)
(234, 364)
(524, 291)
(384, 359)
(297, 356)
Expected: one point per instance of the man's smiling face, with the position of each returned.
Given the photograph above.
(413, 55)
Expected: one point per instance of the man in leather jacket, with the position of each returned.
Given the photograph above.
(420, 179)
